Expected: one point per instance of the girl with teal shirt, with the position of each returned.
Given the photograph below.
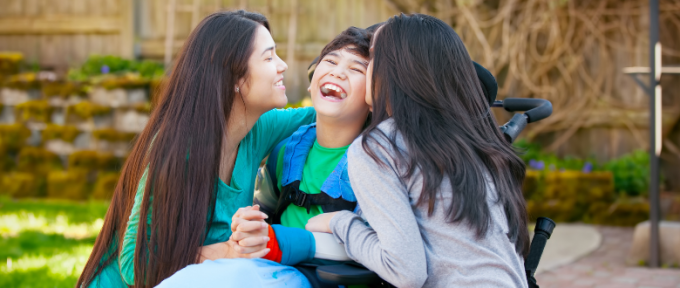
(212, 125)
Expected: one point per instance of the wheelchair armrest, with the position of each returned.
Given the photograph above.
(344, 274)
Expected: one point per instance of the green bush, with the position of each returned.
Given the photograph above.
(23, 81)
(7, 162)
(86, 110)
(13, 136)
(93, 160)
(623, 212)
(35, 110)
(113, 135)
(71, 184)
(38, 161)
(142, 107)
(127, 81)
(108, 162)
(62, 132)
(538, 160)
(631, 173)
(83, 160)
(21, 185)
(97, 65)
(63, 89)
(105, 185)
(566, 196)
(10, 63)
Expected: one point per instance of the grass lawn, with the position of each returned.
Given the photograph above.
(45, 243)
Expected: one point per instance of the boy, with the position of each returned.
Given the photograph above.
(308, 171)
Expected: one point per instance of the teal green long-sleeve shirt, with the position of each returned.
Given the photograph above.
(269, 130)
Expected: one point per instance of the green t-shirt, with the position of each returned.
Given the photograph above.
(319, 164)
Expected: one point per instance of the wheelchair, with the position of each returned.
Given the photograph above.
(352, 273)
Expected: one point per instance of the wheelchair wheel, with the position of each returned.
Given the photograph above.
(310, 273)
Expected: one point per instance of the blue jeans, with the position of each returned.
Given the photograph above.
(225, 273)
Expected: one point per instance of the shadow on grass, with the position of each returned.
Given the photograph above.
(39, 277)
(31, 242)
(77, 212)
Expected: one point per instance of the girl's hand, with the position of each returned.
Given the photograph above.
(226, 250)
(249, 231)
(320, 223)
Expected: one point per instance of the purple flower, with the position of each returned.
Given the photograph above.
(105, 69)
(587, 168)
(536, 165)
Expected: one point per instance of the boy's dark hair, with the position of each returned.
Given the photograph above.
(357, 37)
(375, 27)
(353, 36)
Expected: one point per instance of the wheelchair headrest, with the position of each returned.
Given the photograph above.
(489, 84)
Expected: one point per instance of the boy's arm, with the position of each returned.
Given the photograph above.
(290, 246)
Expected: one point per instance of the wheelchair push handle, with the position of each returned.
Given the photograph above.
(542, 231)
(536, 109)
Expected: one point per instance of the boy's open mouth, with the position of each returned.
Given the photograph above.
(333, 92)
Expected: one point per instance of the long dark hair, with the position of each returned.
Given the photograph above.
(190, 119)
(424, 79)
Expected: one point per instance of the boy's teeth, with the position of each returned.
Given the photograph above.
(325, 89)
(332, 87)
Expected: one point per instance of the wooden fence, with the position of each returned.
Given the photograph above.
(311, 24)
(59, 34)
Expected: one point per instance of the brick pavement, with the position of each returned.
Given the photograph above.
(606, 267)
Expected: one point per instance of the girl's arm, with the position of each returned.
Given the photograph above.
(391, 246)
(210, 252)
(277, 124)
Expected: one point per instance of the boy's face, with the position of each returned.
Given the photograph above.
(338, 86)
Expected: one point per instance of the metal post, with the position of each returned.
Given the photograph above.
(170, 32)
(655, 130)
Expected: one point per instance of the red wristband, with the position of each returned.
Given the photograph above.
(274, 252)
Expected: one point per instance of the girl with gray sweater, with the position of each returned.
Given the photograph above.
(438, 186)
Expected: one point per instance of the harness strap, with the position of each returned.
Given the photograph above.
(292, 194)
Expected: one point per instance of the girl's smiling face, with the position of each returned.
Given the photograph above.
(338, 86)
(263, 89)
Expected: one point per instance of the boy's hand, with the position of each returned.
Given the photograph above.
(249, 231)
(320, 223)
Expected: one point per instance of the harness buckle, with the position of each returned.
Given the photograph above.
(299, 198)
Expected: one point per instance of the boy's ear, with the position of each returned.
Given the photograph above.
(309, 89)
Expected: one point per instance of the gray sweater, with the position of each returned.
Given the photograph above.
(405, 246)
